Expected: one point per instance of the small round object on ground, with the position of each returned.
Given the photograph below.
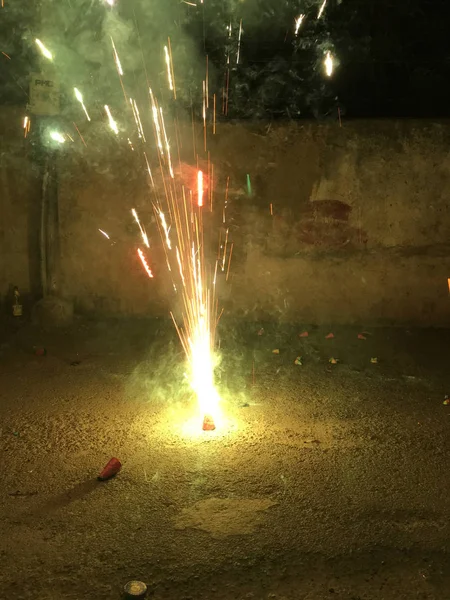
(135, 589)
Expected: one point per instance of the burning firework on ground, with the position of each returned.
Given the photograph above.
(180, 206)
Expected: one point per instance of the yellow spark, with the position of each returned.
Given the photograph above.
(57, 137)
(180, 266)
(148, 169)
(225, 250)
(204, 112)
(322, 8)
(117, 59)
(239, 43)
(328, 62)
(156, 121)
(169, 160)
(169, 72)
(78, 131)
(166, 229)
(44, 50)
(112, 123)
(104, 233)
(143, 234)
(298, 22)
(137, 119)
(26, 125)
(79, 97)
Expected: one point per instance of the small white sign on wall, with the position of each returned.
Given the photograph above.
(44, 95)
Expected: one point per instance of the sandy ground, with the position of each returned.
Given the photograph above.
(324, 482)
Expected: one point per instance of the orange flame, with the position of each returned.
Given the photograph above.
(200, 188)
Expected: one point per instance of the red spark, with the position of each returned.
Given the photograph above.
(144, 263)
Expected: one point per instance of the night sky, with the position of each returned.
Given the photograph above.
(392, 57)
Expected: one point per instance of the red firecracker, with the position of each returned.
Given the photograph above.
(111, 469)
(208, 423)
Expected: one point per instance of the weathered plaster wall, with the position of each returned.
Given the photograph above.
(19, 211)
(343, 224)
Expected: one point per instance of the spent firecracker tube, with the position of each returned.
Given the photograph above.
(111, 469)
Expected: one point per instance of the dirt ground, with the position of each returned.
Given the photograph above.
(324, 481)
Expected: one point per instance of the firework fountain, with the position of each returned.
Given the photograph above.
(179, 205)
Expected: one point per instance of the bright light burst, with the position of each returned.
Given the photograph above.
(202, 370)
(57, 137)
(329, 64)
(44, 50)
(197, 332)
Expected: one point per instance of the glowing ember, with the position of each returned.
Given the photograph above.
(145, 263)
(328, 62)
(208, 423)
(26, 125)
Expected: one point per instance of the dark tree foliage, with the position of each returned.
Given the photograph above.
(392, 57)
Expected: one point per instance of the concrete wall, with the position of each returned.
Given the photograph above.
(19, 211)
(358, 231)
